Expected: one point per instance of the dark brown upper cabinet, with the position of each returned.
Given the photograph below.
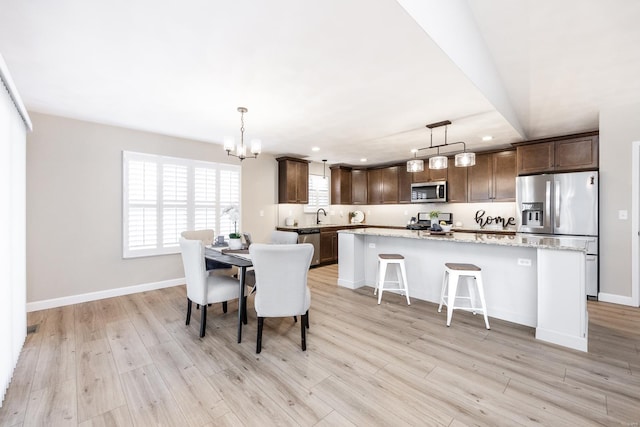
(404, 184)
(374, 186)
(341, 185)
(428, 175)
(359, 187)
(561, 154)
(456, 183)
(493, 177)
(390, 185)
(293, 180)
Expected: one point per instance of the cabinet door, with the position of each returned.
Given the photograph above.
(374, 186)
(439, 174)
(390, 185)
(576, 154)
(422, 176)
(428, 175)
(404, 184)
(359, 187)
(479, 179)
(456, 184)
(293, 181)
(334, 239)
(340, 186)
(536, 158)
(327, 246)
(504, 176)
(302, 182)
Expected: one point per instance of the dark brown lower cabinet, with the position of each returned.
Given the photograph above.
(328, 246)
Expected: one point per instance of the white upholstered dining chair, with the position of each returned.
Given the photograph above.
(207, 236)
(279, 237)
(202, 288)
(281, 271)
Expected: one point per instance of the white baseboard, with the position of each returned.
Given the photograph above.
(616, 299)
(351, 285)
(108, 293)
(554, 337)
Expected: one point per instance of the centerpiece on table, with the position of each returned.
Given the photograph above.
(235, 239)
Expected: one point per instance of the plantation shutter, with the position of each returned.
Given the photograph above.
(164, 196)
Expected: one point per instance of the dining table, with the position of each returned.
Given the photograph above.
(237, 258)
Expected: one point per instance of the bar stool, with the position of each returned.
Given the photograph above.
(452, 274)
(391, 259)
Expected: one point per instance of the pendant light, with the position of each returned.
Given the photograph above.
(464, 159)
(415, 164)
(324, 168)
(241, 149)
(438, 161)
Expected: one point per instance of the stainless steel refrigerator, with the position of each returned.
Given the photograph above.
(563, 205)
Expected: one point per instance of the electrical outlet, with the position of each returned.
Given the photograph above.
(525, 262)
(623, 214)
(372, 245)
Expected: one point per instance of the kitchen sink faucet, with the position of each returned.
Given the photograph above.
(318, 215)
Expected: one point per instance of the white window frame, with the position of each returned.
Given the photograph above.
(315, 198)
(222, 194)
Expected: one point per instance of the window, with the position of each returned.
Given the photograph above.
(318, 193)
(163, 196)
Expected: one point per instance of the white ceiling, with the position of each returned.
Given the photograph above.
(357, 78)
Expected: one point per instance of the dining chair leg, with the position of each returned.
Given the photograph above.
(244, 311)
(188, 311)
(306, 319)
(295, 319)
(224, 306)
(197, 306)
(203, 320)
(259, 340)
(303, 331)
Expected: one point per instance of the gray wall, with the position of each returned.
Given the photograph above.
(74, 205)
(619, 127)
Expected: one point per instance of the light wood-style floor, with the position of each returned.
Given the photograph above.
(132, 361)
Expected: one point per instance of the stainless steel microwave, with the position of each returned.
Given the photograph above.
(429, 192)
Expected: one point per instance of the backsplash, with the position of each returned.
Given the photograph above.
(399, 215)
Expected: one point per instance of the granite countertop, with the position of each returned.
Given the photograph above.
(302, 227)
(398, 227)
(561, 243)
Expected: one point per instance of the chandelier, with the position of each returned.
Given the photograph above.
(240, 150)
(464, 159)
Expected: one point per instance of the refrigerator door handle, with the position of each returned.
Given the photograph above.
(547, 208)
(557, 204)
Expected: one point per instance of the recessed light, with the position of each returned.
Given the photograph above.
(487, 138)
(315, 148)
(363, 160)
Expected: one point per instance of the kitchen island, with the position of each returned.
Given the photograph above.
(533, 281)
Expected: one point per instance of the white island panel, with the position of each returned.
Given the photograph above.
(562, 305)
